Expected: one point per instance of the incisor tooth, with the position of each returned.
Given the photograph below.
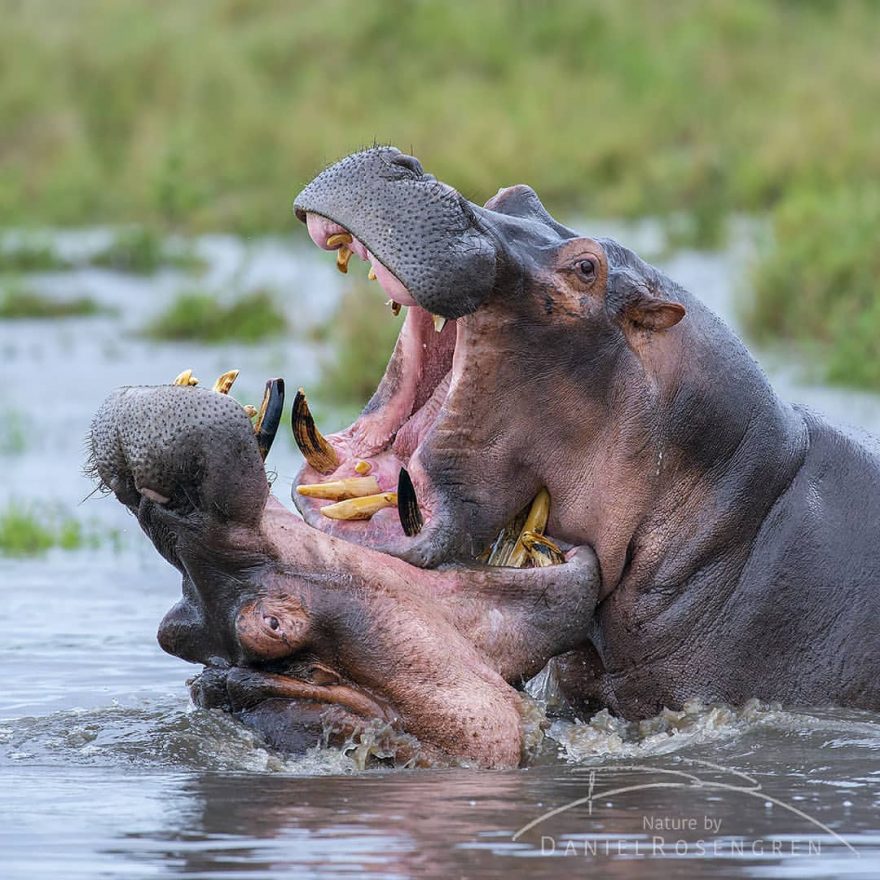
(186, 378)
(395, 307)
(360, 508)
(363, 467)
(439, 322)
(536, 522)
(339, 490)
(225, 381)
(343, 255)
(338, 238)
(371, 275)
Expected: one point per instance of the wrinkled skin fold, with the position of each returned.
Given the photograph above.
(736, 535)
(301, 632)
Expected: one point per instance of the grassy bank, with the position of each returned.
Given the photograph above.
(212, 113)
(32, 529)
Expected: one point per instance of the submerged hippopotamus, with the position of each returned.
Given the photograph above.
(552, 401)
(303, 634)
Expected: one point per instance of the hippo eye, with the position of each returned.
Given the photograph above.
(273, 622)
(587, 268)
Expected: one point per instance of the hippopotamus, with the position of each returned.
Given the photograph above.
(736, 534)
(569, 458)
(305, 636)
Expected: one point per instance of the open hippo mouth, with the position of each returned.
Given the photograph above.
(397, 478)
(302, 632)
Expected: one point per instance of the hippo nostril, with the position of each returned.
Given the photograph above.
(410, 163)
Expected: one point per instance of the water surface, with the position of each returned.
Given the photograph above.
(106, 770)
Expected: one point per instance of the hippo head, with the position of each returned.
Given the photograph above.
(301, 632)
(520, 338)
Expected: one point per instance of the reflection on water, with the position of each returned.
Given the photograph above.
(106, 770)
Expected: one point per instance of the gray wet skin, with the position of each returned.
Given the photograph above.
(302, 632)
(737, 535)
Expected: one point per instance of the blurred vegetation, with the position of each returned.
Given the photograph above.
(211, 114)
(17, 301)
(30, 256)
(13, 436)
(196, 315)
(143, 251)
(819, 281)
(360, 337)
(32, 529)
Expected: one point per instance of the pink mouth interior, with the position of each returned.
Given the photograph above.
(410, 398)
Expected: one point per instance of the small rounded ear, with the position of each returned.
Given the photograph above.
(650, 313)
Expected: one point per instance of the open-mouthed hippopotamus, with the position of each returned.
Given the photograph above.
(304, 634)
(736, 535)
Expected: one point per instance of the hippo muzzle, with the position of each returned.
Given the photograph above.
(305, 636)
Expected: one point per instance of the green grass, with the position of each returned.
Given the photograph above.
(212, 113)
(198, 316)
(819, 281)
(143, 251)
(17, 302)
(30, 256)
(13, 437)
(360, 337)
(30, 529)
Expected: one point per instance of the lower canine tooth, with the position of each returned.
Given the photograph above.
(408, 506)
(536, 522)
(225, 381)
(439, 322)
(311, 442)
(269, 415)
(360, 508)
(339, 490)
(186, 378)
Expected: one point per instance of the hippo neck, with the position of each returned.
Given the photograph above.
(726, 447)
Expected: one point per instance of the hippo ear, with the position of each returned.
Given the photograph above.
(652, 313)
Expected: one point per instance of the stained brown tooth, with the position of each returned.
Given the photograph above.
(338, 238)
(269, 415)
(225, 381)
(408, 505)
(343, 255)
(249, 410)
(439, 322)
(371, 275)
(186, 378)
(363, 467)
(536, 522)
(311, 442)
(360, 508)
(340, 490)
(395, 307)
(541, 550)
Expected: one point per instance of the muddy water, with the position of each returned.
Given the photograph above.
(106, 770)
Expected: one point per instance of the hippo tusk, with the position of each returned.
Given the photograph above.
(439, 322)
(186, 378)
(542, 552)
(360, 508)
(225, 381)
(536, 521)
(340, 238)
(371, 275)
(395, 307)
(269, 415)
(340, 490)
(311, 442)
(408, 505)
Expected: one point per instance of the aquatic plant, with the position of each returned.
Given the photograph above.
(18, 301)
(143, 251)
(818, 281)
(32, 529)
(202, 316)
(30, 255)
